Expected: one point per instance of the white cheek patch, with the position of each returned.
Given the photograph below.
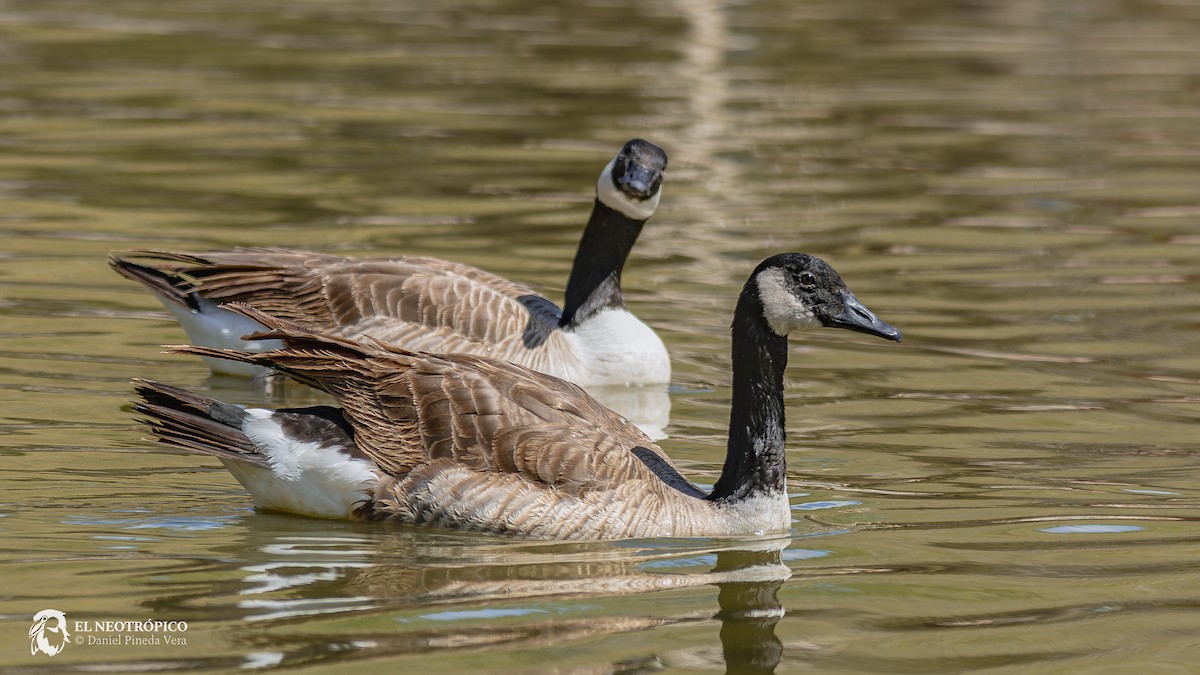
(610, 196)
(783, 311)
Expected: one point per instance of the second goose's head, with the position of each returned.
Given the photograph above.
(631, 181)
(799, 291)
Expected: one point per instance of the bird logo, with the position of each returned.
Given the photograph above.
(48, 634)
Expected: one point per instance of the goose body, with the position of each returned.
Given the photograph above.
(477, 444)
(433, 305)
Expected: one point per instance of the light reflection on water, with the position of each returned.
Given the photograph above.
(1012, 184)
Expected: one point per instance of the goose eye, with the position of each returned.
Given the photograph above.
(808, 281)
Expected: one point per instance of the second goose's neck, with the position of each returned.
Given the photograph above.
(755, 463)
(595, 282)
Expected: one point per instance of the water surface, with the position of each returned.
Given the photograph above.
(1013, 184)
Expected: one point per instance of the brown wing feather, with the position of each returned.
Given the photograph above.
(409, 409)
(422, 303)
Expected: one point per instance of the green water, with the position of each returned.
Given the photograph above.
(1015, 185)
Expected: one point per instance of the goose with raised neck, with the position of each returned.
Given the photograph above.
(427, 304)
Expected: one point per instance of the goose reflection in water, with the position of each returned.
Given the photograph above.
(465, 594)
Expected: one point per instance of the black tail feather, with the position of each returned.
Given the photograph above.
(182, 419)
(165, 284)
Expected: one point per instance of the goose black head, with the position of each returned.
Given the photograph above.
(800, 291)
(631, 181)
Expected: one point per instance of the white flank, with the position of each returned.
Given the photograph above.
(220, 328)
(305, 477)
(615, 347)
(610, 196)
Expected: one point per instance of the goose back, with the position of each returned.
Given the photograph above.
(423, 304)
(476, 444)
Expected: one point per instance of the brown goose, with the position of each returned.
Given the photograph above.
(471, 443)
(427, 304)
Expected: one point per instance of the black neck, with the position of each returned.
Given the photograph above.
(595, 282)
(755, 462)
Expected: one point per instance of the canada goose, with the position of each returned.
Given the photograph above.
(426, 304)
(471, 443)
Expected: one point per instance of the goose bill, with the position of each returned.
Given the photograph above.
(856, 317)
(639, 182)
